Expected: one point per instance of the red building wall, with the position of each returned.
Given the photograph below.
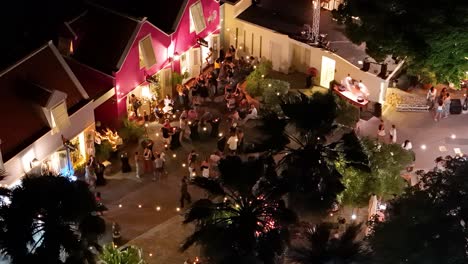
(130, 75)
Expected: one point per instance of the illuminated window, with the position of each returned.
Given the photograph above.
(197, 17)
(146, 53)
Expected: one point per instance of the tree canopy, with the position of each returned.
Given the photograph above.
(384, 178)
(427, 224)
(430, 34)
(49, 219)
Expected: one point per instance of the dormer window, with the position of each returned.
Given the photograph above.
(146, 53)
(59, 117)
(197, 19)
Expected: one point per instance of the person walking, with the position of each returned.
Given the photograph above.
(393, 134)
(147, 154)
(232, 143)
(158, 167)
(184, 194)
(430, 97)
(381, 132)
(439, 110)
(137, 165)
(447, 102)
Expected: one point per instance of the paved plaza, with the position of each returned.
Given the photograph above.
(148, 212)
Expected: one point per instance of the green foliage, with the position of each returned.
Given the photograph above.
(103, 150)
(246, 220)
(348, 115)
(426, 225)
(113, 255)
(273, 90)
(384, 179)
(320, 246)
(254, 79)
(131, 131)
(177, 78)
(50, 219)
(431, 35)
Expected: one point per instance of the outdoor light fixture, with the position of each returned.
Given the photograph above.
(158, 208)
(453, 136)
(269, 85)
(176, 56)
(277, 93)
(360, 62)
(178, 209)
(183, 165)
(220, 134)
(353, 216)
(423, 147)
(174, 155)
(139, 206)
(120, 205)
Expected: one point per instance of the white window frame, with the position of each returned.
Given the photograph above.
(196, 12)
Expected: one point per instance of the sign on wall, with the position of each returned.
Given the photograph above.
(328, 71)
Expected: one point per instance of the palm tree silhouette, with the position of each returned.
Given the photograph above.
(246, 220)
(49, 219)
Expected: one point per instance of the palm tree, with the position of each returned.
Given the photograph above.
(49, 219)
(114, 255)
(246, 220)
(320, 246)
(310, 156)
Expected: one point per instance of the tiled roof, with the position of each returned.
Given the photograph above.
(94, 82)
(103, 36)
(162, 14)
(24, 88)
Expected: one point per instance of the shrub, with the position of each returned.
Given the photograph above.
(103, 150)
(131, 131)
(255, 78)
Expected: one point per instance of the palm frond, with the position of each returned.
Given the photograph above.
(212, 186)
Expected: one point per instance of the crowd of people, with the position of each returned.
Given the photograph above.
(440, 104)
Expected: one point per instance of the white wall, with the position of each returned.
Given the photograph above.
(49, 143)
(285, 46)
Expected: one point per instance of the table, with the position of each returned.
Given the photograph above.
(351, 96)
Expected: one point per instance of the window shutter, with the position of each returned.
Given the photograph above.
(60, 115)
(146, 49)
(196, 11)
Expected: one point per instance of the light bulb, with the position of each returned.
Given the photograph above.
(423, 147)
(220, 134)
(120, 205)
(453, 136)
(353, 216)
(183, 165)
(178, 209)
(204, 128)
(139, 206)
(174, 155)
(158, 208)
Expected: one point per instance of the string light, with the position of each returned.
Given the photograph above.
(158, 208)
(269, 85)
(165, 145)
(189, 122)
(139, 206)
(174, 155)
(194, 174)
(423, 147)
(120, 205)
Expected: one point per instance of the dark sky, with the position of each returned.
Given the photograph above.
(300, 8)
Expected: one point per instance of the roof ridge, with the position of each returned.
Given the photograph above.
(24, 59)
(135, 19)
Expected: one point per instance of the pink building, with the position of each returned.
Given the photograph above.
(111, 50)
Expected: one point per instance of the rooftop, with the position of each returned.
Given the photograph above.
(25, 88)
(103, 36)
(163, 14)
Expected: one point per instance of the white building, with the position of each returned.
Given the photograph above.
(42, 103)
(259, 32)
